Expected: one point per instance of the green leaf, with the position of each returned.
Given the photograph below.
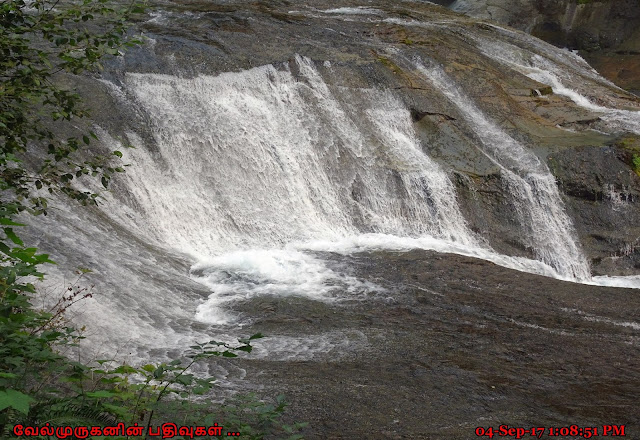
(13, 237)
(124, 369)
(185, 379)
(5, 249)
(6, 221)
(8, 375)
(16, 400)
(117, 410)
(158, 372)
(101, 393)
(117, 153)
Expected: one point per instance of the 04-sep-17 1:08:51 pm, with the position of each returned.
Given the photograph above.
(552, 431)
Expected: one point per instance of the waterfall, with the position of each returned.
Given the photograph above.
(262, 158)
(241, 182)
(271, 156)
(534, 194)
(244, 185)
(619, 120)
(564, 71)
(245, 165)
(248, 173)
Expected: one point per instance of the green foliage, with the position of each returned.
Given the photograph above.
(15, 400)
(254, 419)
(41, 40)
(635, 163)
(38, 386)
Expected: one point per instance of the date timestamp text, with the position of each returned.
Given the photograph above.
(552, 431)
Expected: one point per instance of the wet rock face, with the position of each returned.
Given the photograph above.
(458, 343)
(448, 343)
(602, 199)
(606, 32)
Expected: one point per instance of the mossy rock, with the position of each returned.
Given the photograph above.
(629, 147)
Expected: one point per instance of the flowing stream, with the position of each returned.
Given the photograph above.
(277, 164)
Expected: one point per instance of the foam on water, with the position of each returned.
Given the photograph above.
(630, 282)
(294, 271)
(313, 171)
(242, 275)
(387, 242)
(250, 174)
(314, 163)
(620, 120)
(372, 242)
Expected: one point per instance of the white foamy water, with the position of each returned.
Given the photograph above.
(277, 164)
(242, 275)
(387, 242)
(630, 282)
(272, 158)
(618, 120)
(373, 242)
(565, 72)
(360, 10)
(293, 271)
(533, 190)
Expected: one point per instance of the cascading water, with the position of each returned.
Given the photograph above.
(259, 159)
(620, 120)
(318, 200)
(531, 186)
(274, 158)
(563, 71)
